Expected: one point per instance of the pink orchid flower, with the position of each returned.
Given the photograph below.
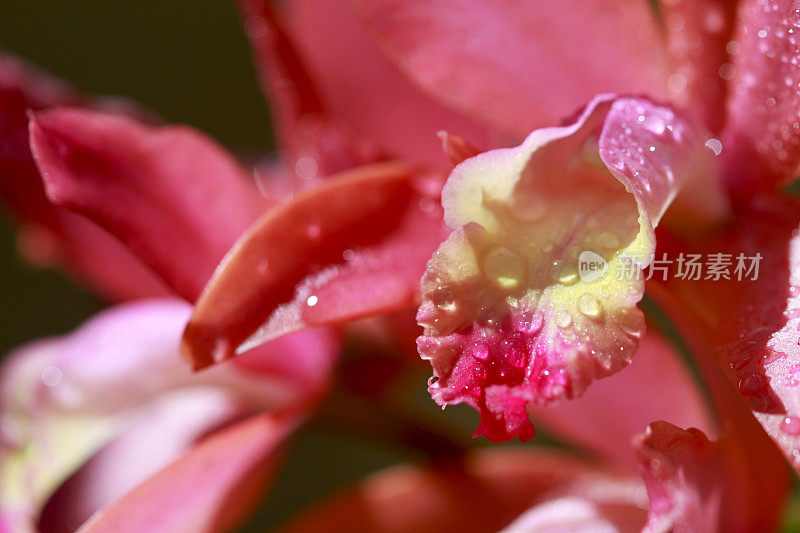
(510, 327)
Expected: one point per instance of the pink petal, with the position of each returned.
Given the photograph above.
(520, 66)
(508, 320)
(314, 141)
(761, 142)
(120, 377)
(684, 479)
(369, 94)
(211, 488)
(485, 492)
(753, 324)
(698, 33)
(170, 194)
(697, 485)
(614, 410)
(48, 234)
(158, 435)
(352, 247)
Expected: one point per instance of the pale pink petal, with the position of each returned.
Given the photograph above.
(157, 434)
(614, 410)
(366, 91)
(49, 235)
(171, 195)
(522, 65)
(352, 247)
(212, 487)
(315, 143)
(761, 142)
(486, 491)
(118, 384)
(509, 319)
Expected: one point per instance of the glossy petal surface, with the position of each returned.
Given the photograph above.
(171, 195)
(522, 65)
(353, 247)
(510, 318)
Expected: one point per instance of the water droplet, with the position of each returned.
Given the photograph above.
(480, 352)
(534, 326)
(504, 268)
(306, 168)
(51, 376)
(313, 231)
(432, 381)
(348, 255)
(589, 305)
(791, 425)
(443, 298)
(312, 301)
(715, 145)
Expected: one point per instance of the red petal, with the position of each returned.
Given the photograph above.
(52, 235)
(369, 94)
(522, 65)
(355, 246)
(761, 141)
(484, 493)
(173, 196)
(698, 32)
(306, 127)
(211, 488)
(615, 409)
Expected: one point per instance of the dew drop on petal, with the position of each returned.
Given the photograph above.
(791, 425)
(504, 268)
(312, 301)
(589, 305)
(51, 376)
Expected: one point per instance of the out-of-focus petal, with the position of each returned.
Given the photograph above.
(509, 319)
(614, 410)
(211, 488)
(698, 32)
(353, 247)
(315, 143)
(761, 142)
(484, 493)
(370, 95)
(50, 235)
(753, 323)
(522, 65)
(170, 194)
(155, 436)
(116, 378)
(685, 482)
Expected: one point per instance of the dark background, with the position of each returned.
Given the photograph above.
(188, 61)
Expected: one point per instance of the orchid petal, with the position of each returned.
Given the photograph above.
(508, 318)
(316, 143)
(49, 234)
(484, 493)
(614, 410)
(105, 385)
(240, 460)
(523, 65)
(698, 33)
(752, 319)
(352, 247)
(683, 477)
(369, 95)
(761, 142)
(167, 193)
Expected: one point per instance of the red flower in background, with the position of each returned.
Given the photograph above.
(141, 210)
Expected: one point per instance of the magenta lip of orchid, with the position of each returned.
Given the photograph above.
(572, 212)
